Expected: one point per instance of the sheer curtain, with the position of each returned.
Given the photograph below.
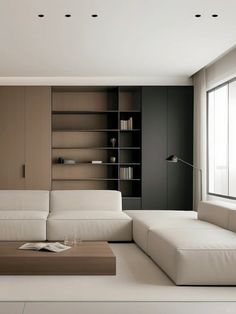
(199, 148)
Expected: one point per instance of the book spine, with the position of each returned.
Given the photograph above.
(130, 123)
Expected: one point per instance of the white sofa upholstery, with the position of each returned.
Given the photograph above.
(88, 215)
(218, 213)
(195, 256)
(189, 250)
(193, 249)
(23, 215)
(144, 221)
(86, 200)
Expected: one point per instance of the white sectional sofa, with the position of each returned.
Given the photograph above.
(191, 248)
(23, 215)
(88, 215)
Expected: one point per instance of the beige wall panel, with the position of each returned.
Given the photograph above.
(84, 101)
(80, 139)
(11, 137)
(80, 185)
(38, 137)
(79, 171)
(79, 122)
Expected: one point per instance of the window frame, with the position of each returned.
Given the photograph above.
(207, 135)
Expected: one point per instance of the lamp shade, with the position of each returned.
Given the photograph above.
(172, 158)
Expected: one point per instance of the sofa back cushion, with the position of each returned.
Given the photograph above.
(24, 200)
(214, 213)
(232, 220)
(85, 200)
(218, 213)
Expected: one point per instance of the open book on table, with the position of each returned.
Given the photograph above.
(53, 247)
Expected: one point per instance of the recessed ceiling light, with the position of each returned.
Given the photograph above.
(214, 15)
(67, 15)
(40, 15)
(94, 15)
(197, 15)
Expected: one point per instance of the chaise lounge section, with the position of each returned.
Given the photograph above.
(189, 250)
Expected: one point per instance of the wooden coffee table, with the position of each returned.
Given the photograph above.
(86, 258)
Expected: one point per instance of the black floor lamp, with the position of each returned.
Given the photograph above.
(173, 158)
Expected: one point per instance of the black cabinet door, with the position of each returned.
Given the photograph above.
(180, 143)
(154, 147)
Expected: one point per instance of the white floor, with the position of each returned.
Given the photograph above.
(138, 279)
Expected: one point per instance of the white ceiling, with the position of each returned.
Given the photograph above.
(130, 38)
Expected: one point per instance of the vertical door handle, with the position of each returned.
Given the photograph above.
(23, 171)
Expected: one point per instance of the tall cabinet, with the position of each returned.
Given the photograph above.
(167, 128)
(25, 138)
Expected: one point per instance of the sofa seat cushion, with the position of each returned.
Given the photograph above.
(195, 256)
(23, 225)
(23, 215)
(89, 225)
(24, 200)
(162, 219)
(86, 200)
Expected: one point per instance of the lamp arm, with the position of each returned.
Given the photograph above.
(199, 169)
(187, 163)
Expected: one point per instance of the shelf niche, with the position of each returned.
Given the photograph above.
(84, 119)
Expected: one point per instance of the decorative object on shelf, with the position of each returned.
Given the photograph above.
(60, 160)
(69, 162)
(173, 158)
(112, 159)
(113, 141)
(126, 124)
(96, 162)
(126, 173)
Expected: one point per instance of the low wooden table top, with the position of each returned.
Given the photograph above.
(86, 258)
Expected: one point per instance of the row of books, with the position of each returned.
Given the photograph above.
(126, 124)
(126, 173)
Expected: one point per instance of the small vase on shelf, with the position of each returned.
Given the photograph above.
(113, 142)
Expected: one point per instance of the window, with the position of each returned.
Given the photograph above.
(222, 140)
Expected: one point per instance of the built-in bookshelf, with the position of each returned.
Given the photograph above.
(99, 125)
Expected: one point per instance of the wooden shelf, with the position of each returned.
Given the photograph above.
(131, 197)
(133, 130)
(97, 179)
(83, 112)
(130, 148)
(98, 130)
(87, 163)
(129, 111)
(88, 179)
(100, 164)
(112, 148)
(87, 130)
(103, 148)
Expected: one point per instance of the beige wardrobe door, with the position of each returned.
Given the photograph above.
(38, 137)
(11, 137)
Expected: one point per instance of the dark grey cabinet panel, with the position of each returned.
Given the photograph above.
(180, 143)
(154, 147)
(167, 128)
(131, 203)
